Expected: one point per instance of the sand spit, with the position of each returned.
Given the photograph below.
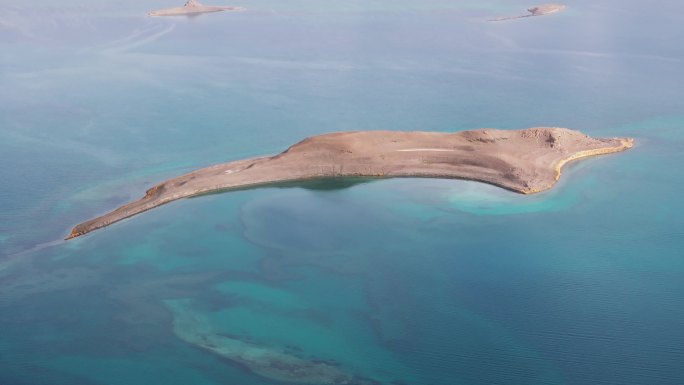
(193, 7)
(525, 161)
(539, 10)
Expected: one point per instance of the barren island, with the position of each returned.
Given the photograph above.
(193, 7)
(525, 161)
(539, 10)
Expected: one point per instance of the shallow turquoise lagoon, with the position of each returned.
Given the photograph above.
(393, 282)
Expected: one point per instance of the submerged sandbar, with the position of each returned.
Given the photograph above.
(525, 161)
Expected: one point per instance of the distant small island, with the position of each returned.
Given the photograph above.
(193, 7)
(525, 161)
(539, 10)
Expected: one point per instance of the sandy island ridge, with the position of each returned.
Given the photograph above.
(539, 10)
(525, 161)
(194, 7)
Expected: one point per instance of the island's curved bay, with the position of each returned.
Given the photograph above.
(404, 281)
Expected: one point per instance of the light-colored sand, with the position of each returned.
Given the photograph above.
(546, 9)
(539, 10)
(427, 149)
(526, 161)
(193, 7)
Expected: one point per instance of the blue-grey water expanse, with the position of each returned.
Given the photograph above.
(392, 282)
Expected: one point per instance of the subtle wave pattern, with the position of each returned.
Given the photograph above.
(391, 282)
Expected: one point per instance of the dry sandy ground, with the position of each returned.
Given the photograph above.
(526, 161)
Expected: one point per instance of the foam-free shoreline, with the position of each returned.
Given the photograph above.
(525, 161)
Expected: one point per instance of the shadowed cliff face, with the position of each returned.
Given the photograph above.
(525, 161)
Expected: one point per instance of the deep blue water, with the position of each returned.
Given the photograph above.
(404, 281)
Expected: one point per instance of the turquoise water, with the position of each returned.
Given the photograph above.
(404, 281)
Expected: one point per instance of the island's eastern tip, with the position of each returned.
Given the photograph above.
(525, 161)
(538, 10)
(194, 7)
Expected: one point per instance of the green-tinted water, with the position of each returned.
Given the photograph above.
(405, 281)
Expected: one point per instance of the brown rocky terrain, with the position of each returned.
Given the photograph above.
(526, 161)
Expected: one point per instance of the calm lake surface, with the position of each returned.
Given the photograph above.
(393, 282)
